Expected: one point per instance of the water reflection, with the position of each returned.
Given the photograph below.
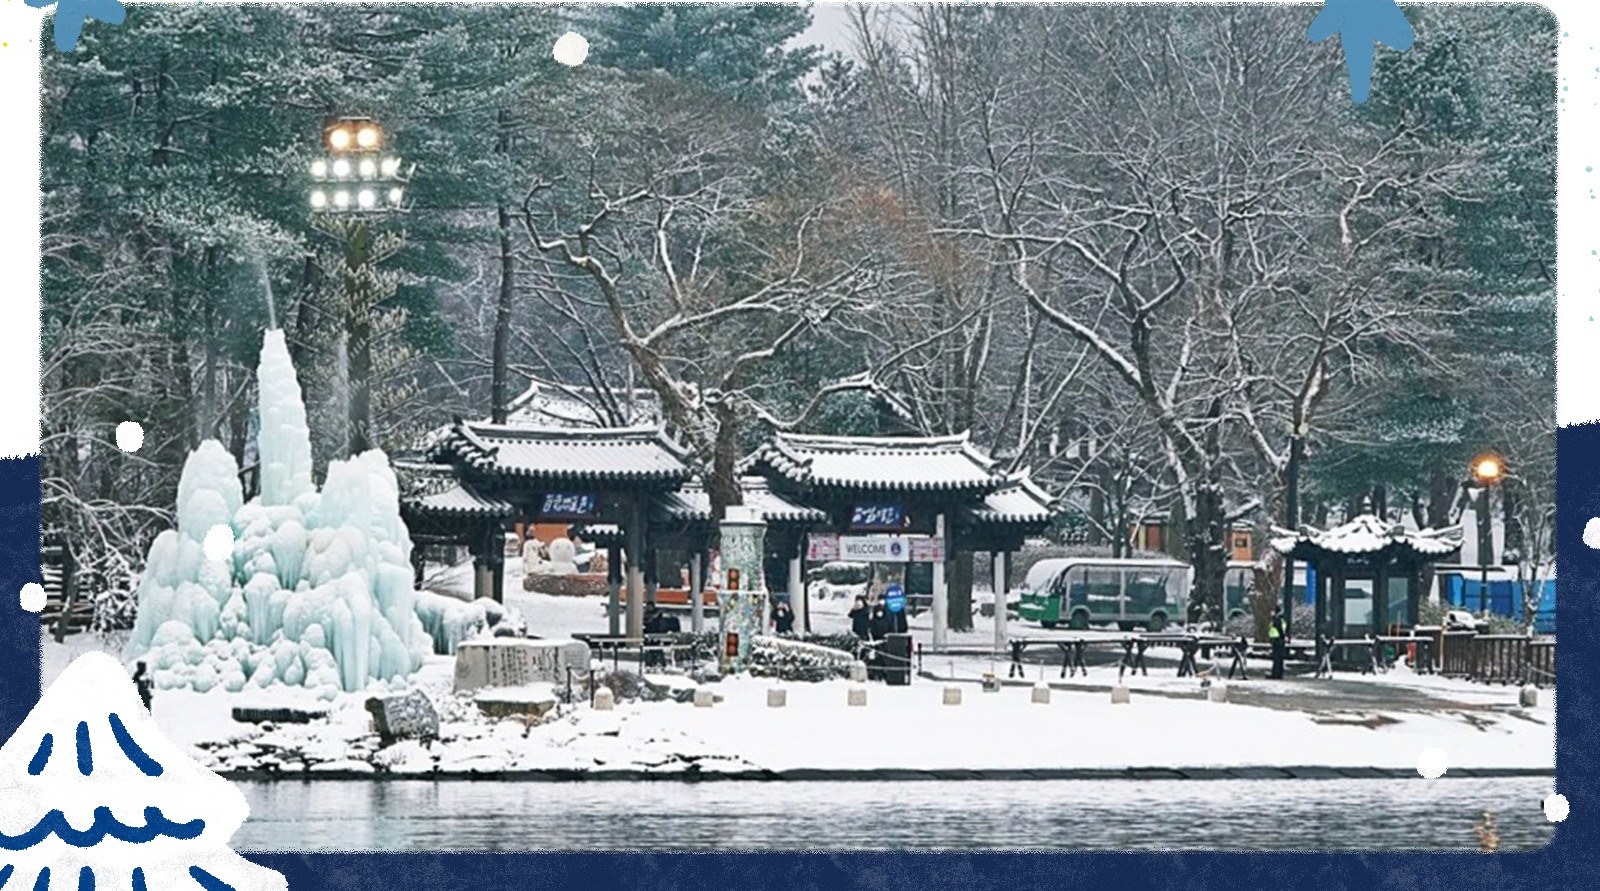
(1052, 815)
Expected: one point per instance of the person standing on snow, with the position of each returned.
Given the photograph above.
(1279, 641)
(860, 618)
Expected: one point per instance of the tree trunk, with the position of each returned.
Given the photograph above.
(958, 604)
(500, 373)
(722, 486)
(358, 325)
(1206, 535)
(1510, 498)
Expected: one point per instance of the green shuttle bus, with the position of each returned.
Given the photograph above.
(1080, 592)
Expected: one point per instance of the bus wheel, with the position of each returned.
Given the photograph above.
(1079, 621)
(1047, 624)
(1158, 622)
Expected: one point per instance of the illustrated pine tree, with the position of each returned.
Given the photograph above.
(93, 796)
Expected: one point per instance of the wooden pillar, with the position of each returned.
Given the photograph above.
(613, 586)
(941, 590)
(652, 582)
(497, 562)
(635, 576)
(1336, 585)
(998, 573)
(1413, 597)
(1322, 602)
(797, 589)
(1380, 599)
(697, 586)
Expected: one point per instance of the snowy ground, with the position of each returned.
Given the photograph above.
(1351, 721)
(1168, 723)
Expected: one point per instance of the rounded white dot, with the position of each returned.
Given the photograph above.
(1432, 763)
(33, 601)
(1591, 533)
(1556, 807)
(218, 543)
(571, 49)
(130, 436)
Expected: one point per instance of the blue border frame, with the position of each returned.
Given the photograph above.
(1569, 862)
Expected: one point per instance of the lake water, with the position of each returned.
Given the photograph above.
(1339, 815)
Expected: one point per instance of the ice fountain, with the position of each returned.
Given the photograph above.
(317, 591)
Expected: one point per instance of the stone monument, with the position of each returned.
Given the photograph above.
(517, 662)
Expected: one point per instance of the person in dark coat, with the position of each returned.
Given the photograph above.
(860, 618)
(141, 682)
(782, 618)
(879, 624)
(1279, 640)
(898, 623)
(654, 620)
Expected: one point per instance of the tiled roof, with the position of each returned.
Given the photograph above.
(1019, 501)
(879, 463)
(434, 489)
(567, 456)
(562, 405)
(460, 500)
(692, 503)
(1367, 534)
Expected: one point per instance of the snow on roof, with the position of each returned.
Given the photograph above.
(575, 455)
(461, 500)
(877, 463)
(546, 404)
(1368, 534)
(1021, 500)
(692, 503)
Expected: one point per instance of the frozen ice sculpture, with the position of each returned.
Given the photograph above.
(93, 796)
(318, 591)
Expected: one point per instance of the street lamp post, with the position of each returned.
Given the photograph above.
(1488, 470)
(355, 184)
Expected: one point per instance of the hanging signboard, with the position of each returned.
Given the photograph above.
(822, 548)
(826, 548)
(568, 506)
(927, 549)
(877, 516)
(874, 548)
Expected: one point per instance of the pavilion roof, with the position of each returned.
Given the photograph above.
(691, 503)
(1019, 501)
(1367, 536)
(435, 489)
(594, 455)
(879, 463)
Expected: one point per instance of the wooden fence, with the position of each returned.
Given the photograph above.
(1497, 658)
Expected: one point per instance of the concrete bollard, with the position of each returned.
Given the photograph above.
(604, 700)
(858, 695)
(1041, 694)
(1528, 696)
(704, 698)
(1217, 693)
(991, 684)
(1119, 695)
(952, 696)
(777, 697)
(858, 672)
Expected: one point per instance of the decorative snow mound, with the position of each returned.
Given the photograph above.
(318, 590)
(89, 784)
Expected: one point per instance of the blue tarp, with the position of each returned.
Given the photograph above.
(1503, 597)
